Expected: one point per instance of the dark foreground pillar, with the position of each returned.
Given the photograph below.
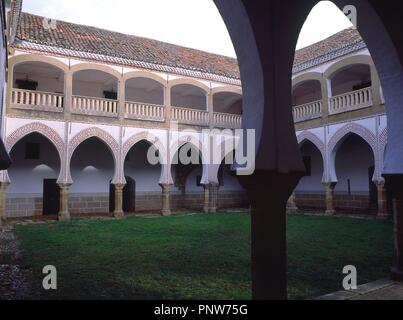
(395, 185)
(268, 193)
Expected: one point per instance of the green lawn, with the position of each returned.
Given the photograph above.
(196, 256)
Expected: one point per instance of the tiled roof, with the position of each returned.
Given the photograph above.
(73, 40)
(337, 45)
(91, 41)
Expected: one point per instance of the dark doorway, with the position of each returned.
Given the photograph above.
(129, 196)
(373, 192)
(51, 205)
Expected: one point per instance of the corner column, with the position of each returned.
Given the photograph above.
(118, 212)
(3, 213)
(68, 95)
(329, 188)
(166, 202)
(64, 214)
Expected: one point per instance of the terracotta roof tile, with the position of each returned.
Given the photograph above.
(99, 44)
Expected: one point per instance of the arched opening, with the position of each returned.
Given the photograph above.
(188, 96)
(187, 173)
(34, 173)
(354, 163)
(92, 169)
(96, 84)
(231, 194)
(227, 102)
(146, 177)
(351, 78)
(309, 192)
(306, 92)
(37, 85)
(144, 90)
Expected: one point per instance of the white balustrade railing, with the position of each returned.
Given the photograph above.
(190, 116)
(351, 101)
(226, 120)
(37, 100)
(94, 106)
(142, 111)
(307, 111)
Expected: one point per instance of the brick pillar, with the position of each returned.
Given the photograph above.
(166, 202)
(382, 201)
(3, 213)
(291, 205)
(118, 212)
(64, 214)
(329, 187)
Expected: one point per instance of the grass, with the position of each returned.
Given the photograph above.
(196, 256)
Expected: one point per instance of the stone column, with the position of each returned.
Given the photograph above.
(121, 99)
(394, 185)
(376, 86)
(118, 212)
(210, 197)
(167, 103)
(329, 187)
(291, 205)
(166, 202)
(64, 214)
(3, 213)
(210, 108)
(68, 95)
(206, 205)
(382, 201)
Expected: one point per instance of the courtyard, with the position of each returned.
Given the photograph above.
(194, 256)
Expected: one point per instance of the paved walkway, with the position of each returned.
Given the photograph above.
(384, 289)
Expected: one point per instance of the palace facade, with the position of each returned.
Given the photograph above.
(84, 105)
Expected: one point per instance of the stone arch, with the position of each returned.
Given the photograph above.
(193, 82)
(156, 142)
(344, 63)
(44, 130)
(13, 61)
(102, 135)
(383, 140)
(317, 142)
(145, 74)
(309, 76)
(93, 66)
(198, 145)
(231, 89)
(339, 137)
(314, 139)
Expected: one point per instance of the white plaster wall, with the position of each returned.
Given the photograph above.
(92, 89)
(189, 101)
(312, 183)
(143, 96)
(136, 166)
(92, 167)
(353, 159)
(27, 175)
(45, 84)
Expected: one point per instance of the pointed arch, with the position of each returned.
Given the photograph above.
(102, 135)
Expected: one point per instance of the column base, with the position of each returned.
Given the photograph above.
(330, 212)
(383, 216)
(118, 215)
(292, 210)
(396, 275)
(64, 216)
(166, 213)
